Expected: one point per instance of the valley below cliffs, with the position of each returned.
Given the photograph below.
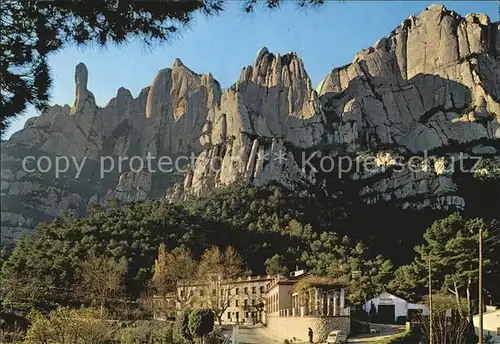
(431, 88)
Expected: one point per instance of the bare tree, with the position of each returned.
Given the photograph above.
(100, 280)
(174, 278)
(147, 301)
(218, 271)
(449, 321)
(65, 325)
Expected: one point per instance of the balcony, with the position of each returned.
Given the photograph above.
(303, 311)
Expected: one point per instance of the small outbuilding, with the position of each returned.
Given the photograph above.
(389, 307)
(491, 323)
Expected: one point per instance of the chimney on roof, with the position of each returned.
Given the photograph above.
(297, 273)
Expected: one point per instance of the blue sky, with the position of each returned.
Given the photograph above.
(324, 38)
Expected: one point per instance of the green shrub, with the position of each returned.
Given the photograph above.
(147, 332)
(214, 337)
(358, 327)
(182, 332)
(69, 325)
(401, 338)
(358, 313)
(201, 322)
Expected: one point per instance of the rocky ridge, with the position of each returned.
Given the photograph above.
(432, 85)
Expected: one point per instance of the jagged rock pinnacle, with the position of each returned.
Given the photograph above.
(81, 76)
(436, 7)
(81, 91)
(178, 63)
(260, 54)
(431, 86)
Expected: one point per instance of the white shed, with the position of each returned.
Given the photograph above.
(390, 307)
(491, 323)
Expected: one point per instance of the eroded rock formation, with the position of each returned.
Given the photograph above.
(432, 85)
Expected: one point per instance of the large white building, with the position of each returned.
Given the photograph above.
(389, 307)
(491, 323)
(299, 302)
(247, 301)
(243, 299)
(288, 305)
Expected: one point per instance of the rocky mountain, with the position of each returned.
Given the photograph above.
(431, 88)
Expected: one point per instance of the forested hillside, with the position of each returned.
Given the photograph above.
(272, 229)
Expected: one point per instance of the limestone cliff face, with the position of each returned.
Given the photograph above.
(166, 119)
(432, 85)
(435, 80)
(272, 104)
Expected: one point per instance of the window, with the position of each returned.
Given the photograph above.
(229, 303)
(228, 315)
(237, 291)
(261, 289)
(191, 293)
(221, 292)
(237, 303)
(201, 292)
(253, 302)
(254, 290)
(246, 290)
(246, 302)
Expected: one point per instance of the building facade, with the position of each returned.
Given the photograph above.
(246, 302)
(491, 324)
(299, 302)
(241, 300)
(320, 297)
(289, 306)
(389, 307)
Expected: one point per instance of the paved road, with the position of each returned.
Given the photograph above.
(249, 335)
(252, 335)
(384, 331)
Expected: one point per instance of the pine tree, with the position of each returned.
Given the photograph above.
(451, 246)
(274, 266)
